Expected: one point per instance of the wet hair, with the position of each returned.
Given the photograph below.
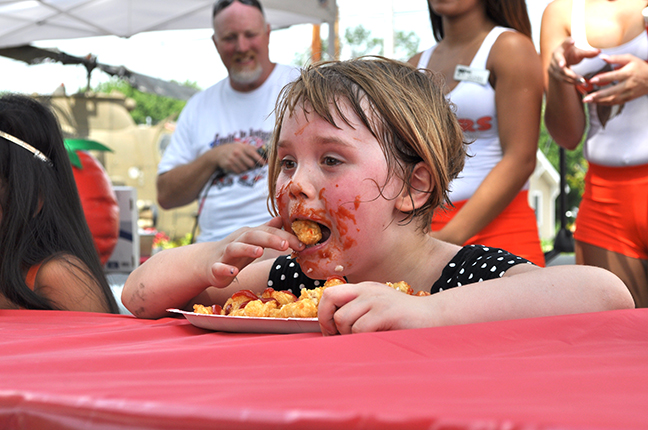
(40, 212)
(505, 13)
(404, 108)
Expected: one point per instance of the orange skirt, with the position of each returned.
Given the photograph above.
(514, 230)
(613, 213)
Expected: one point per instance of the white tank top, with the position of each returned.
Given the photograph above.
(477, 114)
(617, 135)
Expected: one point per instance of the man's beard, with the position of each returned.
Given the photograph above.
(246, 76)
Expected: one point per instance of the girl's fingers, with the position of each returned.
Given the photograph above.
(334, 298)
(223, 274)
(238, 250)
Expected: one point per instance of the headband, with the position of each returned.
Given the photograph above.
(37, 154)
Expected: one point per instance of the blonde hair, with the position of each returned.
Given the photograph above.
(403, 107)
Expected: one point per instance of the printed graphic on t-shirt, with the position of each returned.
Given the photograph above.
(256, 138)
(472, 126)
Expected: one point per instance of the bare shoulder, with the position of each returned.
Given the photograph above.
(415, 59)
(557, 18)
(558, 9)
(511, 44)
(514, 56)
(68, 282)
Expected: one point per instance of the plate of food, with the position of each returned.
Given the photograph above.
(242, 324)
(271, 311)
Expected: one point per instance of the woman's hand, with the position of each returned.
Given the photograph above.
(630, 81)
(566, 55)
(369, 307)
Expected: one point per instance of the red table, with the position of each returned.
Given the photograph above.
(69, 370)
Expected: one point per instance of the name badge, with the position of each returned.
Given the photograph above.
(465, 73)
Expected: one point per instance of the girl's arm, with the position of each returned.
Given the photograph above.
(525, 291)
(564, 113)
(518, 95)
(180, 277)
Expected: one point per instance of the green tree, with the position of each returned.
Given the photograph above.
(152, 106)
(406, 45)
(575, 167)
(360, 42)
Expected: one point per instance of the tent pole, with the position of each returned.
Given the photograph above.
(316, 44)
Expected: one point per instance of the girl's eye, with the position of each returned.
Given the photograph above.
(330, 161)
(287, 164)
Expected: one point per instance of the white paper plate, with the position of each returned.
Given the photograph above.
(250, 324)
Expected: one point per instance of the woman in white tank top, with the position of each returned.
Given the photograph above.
(594, 53)
(493, 76)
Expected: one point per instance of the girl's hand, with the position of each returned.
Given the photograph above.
(566, 55)
(631, 81)
(369, 307)
(247, 244)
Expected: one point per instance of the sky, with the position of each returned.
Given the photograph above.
(183, 55)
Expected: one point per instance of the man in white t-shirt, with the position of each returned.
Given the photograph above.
(216, 154)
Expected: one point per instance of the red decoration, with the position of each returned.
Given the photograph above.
(99, 204)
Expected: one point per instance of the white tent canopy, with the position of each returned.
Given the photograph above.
(25, 21)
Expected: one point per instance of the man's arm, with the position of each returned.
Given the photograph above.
(181, 185)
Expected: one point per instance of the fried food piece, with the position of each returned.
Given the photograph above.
(308, 232)
(239, 300)
(283, 304)
(314, 295)
(257, 308)
(200, 309)
(300, 309)
(208, 310)
(402, 286)
(334, 280)
(283, 297)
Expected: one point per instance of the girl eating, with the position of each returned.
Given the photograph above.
(366, 149)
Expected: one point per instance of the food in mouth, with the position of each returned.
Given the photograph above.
(283, 304)
(308, 232)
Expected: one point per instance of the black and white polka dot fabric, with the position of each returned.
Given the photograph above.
(287, 275)
(473, 263)
(476, 263)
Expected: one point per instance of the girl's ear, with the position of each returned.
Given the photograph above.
(417, 192)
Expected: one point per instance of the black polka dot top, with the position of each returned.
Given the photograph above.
(473, 263)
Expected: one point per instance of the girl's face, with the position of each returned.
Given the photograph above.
(334, 176)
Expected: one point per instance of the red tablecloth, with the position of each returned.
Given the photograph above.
(81, 371)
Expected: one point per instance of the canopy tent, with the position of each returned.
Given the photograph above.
(25, 21)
